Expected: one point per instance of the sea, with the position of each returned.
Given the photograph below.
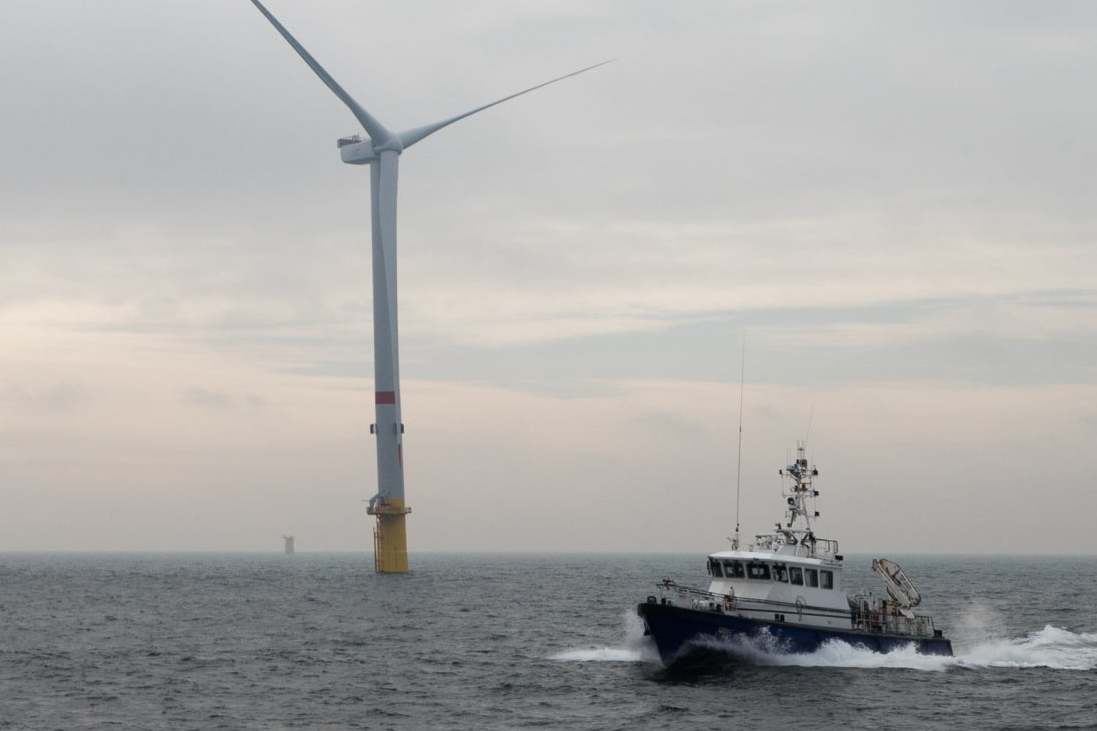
(503, 641)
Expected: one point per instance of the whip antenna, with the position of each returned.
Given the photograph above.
(739, 457)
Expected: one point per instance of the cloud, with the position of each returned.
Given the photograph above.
(53, 398)
(893, 203)
(630, 465)
(206, 398)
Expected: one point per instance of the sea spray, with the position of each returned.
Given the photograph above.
(977, 624)
(635, 648)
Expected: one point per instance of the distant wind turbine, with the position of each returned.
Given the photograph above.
(382, 153)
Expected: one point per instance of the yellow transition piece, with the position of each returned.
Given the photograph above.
(390, 537)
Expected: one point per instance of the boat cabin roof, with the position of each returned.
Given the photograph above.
(771, 557)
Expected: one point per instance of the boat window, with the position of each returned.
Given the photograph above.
(780, 573)
(796, 575)
(734, 570)
(813, 577)
(828, 579)
(714, 568)
(758, 571)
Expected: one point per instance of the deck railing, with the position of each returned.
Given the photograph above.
(862, 618)
(893, 624)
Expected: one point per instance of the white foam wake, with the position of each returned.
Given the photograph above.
(1051, 647)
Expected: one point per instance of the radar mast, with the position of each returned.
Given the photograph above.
(799, 497)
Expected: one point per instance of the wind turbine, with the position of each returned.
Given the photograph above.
(382, 153)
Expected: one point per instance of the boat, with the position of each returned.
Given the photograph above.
(786, 590)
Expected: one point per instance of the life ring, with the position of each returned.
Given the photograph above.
(800, 607)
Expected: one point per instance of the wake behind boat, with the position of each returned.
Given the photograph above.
(788, 588)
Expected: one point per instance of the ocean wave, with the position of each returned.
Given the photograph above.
(600, 654)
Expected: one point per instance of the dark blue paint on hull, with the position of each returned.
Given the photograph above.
(674, 628)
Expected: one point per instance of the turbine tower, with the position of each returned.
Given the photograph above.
(382, 153)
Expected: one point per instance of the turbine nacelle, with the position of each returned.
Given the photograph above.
(356, 151)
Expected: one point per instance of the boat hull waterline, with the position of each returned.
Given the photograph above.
(676, 629)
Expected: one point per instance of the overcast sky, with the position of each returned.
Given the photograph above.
(893, 202)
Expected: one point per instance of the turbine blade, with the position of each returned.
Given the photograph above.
(374, 129)
(411, 136)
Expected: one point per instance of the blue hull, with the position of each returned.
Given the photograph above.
(674, 629)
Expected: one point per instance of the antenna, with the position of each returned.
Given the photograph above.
(739, 457)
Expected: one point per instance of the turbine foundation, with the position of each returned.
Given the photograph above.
(390, 537)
